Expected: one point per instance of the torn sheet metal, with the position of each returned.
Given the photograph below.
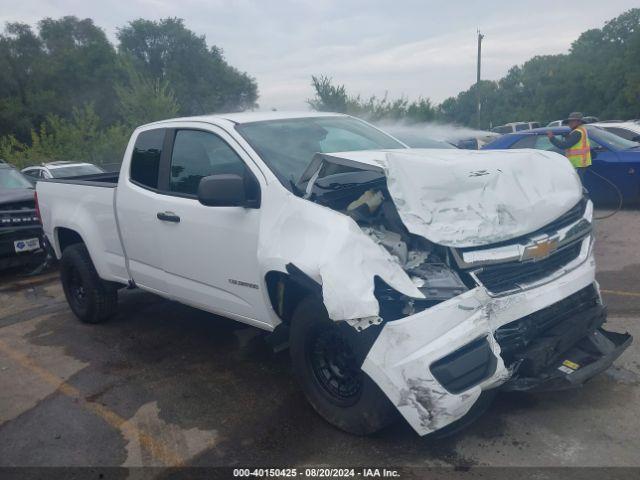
(332, 249)
(399, 360)
(465, 198)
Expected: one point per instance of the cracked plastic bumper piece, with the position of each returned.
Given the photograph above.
(404, 359)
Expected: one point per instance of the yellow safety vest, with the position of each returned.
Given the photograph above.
(580, 153)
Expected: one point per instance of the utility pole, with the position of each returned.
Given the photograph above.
(480, 37)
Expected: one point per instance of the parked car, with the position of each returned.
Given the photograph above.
(560, 123)
(401, 279)
(628, 130)
(61, 170)
(511, 127)
(613, 157)
(21, 239)
(475, 142)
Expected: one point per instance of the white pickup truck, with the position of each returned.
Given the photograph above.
(418, 281)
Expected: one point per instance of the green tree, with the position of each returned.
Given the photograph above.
(80, 138)
(67, 64)
(142, 100)
(334, 98)
(599, 76)
(201, 79)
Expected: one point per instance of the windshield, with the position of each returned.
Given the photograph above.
(10, 178)
(288, 146)
(74, 171)
(611, 139)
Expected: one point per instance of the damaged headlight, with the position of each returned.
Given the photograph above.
(421, 260)
(435, 280)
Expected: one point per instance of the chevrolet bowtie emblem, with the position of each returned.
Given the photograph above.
(541, 249)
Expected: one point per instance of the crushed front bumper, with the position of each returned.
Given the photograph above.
(435, 364)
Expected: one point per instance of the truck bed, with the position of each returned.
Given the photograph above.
(85, 206)
(107, 179)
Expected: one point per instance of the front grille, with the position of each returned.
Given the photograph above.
(507, 277)
(18, 218)
(572, 216)
(539, 339)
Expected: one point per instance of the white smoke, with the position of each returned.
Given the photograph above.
(440, 132)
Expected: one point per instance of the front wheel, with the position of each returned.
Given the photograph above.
(326, 358)
(91, 299)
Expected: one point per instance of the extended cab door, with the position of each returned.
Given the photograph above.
(138, 200)
(209, 252)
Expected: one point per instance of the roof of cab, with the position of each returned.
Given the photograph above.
(249, 117)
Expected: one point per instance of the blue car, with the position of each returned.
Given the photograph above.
(613, 157)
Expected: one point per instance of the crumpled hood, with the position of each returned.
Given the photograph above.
(466, 198)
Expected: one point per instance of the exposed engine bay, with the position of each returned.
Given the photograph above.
(364, 197)
(453, 264)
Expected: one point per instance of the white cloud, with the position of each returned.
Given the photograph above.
(403, 47)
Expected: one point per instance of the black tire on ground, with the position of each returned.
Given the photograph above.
(326, 358)
(91, 299)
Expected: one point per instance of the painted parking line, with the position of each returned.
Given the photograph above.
(158, 450)
(621, 293)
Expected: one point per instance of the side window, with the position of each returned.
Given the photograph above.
(543, 143)
(527, 141)
(197, 154)
(622, 132)
(145, 160)
(594, 144)
(502, 129)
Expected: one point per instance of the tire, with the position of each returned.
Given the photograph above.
(90, 298)
(326, 357)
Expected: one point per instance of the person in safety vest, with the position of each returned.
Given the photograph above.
(576, 145)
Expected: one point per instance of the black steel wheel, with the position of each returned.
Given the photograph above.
(326, 358)
(90, 298)
(335, 365)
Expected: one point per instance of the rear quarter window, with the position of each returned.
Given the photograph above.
(622, 132)
(145, 159)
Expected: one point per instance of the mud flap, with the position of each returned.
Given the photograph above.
(592, 355)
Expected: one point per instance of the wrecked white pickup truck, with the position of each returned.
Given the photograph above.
(418, 281)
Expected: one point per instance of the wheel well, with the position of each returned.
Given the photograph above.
(287, 289)
(67, 237)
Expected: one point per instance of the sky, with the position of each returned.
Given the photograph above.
(400, 48)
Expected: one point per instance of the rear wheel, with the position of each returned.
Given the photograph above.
(326, 357)
(91, 299)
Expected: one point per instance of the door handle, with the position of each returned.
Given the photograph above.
(168, 217)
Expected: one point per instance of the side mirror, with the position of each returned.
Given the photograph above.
(222, 191)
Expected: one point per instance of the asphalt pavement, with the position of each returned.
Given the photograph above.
(162, 384)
